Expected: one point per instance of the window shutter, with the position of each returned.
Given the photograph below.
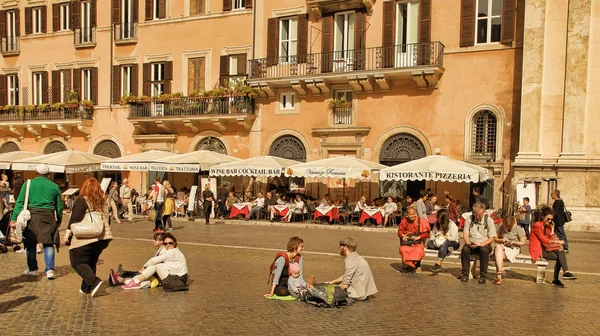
(226, 5)
(327, 43)
(248, 4)
(75, 10)
(134, 80)
(467, 23)
(425, 21)
(18, 21)
(93, 12)
(508, 21)
(67, 80)
(223, 69)
(3, 88)
(272, 41)
(55, 17)
(95, 97)
(28, 17)
(116, 11)
(44, 18)
(242, 60)
(162, 9)
(359, 39)
(45, 87)
(389, 34)
(302, 37)
(146, 79)
(135, 8)
(3, 25)
(56, 86)
(77, 82)
(116, 84)
(148, 10)
(167, 86)
(169, 70)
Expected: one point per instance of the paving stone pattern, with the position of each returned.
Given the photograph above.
(228, 283)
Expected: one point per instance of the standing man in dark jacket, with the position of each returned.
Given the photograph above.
(45, 206)
(209, 198)
(560, 218)
(222, 194)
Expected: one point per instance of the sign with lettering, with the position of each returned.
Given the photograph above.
(125, 166)
(428, 176)
(246, 171)
(175, 168)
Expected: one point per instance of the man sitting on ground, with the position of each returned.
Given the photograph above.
(479, 232)
(357, 279)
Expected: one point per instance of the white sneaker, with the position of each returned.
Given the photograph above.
(51, 275)
(21, 251)
(38, 250)
(81, 292)
(30, 273)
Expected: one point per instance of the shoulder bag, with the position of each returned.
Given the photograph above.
(568, 216)
(22, 219)
(91, 226)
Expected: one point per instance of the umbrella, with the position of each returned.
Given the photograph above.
(191, 162)
(257, 166)
(7, 159)
(436, 168)
(135, 162)
(343, 167)
(63, 162)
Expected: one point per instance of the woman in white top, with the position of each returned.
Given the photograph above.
(509, 239)
(172, 262)
(389, 209)
(445, 233)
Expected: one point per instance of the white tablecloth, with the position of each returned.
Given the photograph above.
(240, 206)
(372, 211)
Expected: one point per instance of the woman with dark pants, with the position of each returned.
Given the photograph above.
(544, 243)
(279, 276)
(445, 240)
(84, 252)
(209, 198)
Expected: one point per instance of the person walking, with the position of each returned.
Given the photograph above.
(222, 199)
(4, 190)
(115, 200)
(158, 199)
(125, 194)
(525, 216)
(84, 252)
(169, 206)
(209, 198)
(560, 218)
(46, 208)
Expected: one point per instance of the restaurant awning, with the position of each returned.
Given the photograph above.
(63, 162)
(264, 166)
(343, 167)
(436, 168)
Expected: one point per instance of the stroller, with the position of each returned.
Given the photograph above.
(4, 228)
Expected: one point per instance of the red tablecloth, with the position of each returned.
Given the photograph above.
(375, 214)
(238, 209)
(281, 210)
(332, 212)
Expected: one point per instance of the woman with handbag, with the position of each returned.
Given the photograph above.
(169, 206)
(88, 234)
(445, 233)
(544, 243)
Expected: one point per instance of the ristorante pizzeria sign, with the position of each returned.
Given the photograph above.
(453, 177)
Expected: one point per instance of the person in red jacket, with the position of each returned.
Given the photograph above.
(413, 231)
(544, 243)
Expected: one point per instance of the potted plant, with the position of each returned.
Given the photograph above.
(57, 106)
(336, 103)
(88, 104)
(72, 99)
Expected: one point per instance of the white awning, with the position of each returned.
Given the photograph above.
(257, 166)
(336, 167)
(436, 168)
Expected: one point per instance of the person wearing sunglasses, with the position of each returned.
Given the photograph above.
(172, 262)
(122, 276)
(545, 244)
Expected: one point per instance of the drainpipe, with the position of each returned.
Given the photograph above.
(112, 37)
(254, 30)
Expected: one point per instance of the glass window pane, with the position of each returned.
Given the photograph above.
(293, 29)
(483, 9)
(285, 29)
(496, 29)
(284, 49)
(293, 48)
(496, 7)
(482, 30)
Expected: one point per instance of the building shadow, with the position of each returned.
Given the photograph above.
(5, 307)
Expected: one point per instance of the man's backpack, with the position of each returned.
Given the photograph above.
(331, 296)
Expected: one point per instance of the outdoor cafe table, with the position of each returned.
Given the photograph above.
(240, 209)
(375, 213)
(327, 211)
(282, 210)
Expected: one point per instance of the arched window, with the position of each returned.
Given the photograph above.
(55, 147)
(288, 147)
(108, 148)
(484, 135)
(212, 144)
(400, 148)
(9, 147)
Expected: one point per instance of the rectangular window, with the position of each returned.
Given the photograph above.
(344, 94)
(65, 85)
(343, 41)
(65, 16)
(288, 39)
(126, 80)
(287, 101)
(11, 31)
(127, 19)
(13, 89)
(343, 115)
(155, 7)
(239, 4)
(196, 74)
(488, 25)
(157, 79)
(36, 18)
(233, 66)
(37, 88)
(407, 26)
(86, 84)
(197, 7)
(86, 22)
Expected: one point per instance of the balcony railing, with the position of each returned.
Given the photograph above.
(85, 36)
(192, 107)
(22, 113)
(126, 32)
(369, 59)
(342, 116)
(10, 45)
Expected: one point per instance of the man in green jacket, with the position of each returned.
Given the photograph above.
(45, 206)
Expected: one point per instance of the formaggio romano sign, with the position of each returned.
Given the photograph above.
(456, 177)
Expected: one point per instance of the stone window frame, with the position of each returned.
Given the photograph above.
(469, 120)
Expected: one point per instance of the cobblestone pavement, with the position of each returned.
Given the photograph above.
(229, 264)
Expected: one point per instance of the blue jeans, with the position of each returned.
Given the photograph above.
(158, 206)
(30, 251)
(562, 235)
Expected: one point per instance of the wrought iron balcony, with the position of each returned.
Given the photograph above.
(126, 32)
(84, 37)
(417, 59)
(342, 116)
(10, 45)
(46, 112)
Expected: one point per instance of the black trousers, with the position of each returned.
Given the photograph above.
(525, 227)
(561, 261)
(84, 260)
(207, 210)
(281, 290)
(484, 258)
